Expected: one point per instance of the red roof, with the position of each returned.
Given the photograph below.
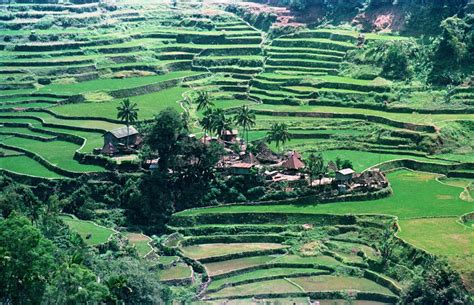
(297, 154)
(293, 163)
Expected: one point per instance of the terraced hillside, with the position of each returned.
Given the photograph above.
(64, 70)
(61, 86)
(429, 213)
(270, 256)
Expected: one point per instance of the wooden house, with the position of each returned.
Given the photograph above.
(344, 175)
(116, 138)
(241, 168)
(293, 163)
(230, 135)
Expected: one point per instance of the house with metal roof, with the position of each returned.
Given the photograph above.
(117, 138)
(345, 175)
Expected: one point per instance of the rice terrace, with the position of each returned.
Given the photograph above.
(237, 152)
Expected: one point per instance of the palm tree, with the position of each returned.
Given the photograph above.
(220, 123)
(279, 134)
(314, 166)
(245, 118)
(207, 122)
(203, 102)
(127, 113)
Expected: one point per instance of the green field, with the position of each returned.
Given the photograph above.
(23, 165)
(428, 210)
(327, 283)
(174, 273)
(90, 232)
(236, 264)
(67, 67)
(415, 195)
(48, 118)
(149, 105)
(209, 250)
(265, 287)
(261, 274)
(305, 284)
(112, 84)
(426, 233)
(140, 241)
(417, 118)
(58, 153)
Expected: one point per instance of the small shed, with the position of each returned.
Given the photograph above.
(230, 135)
(119, 136)
(344, 175)
(293, 163)
(241, 168)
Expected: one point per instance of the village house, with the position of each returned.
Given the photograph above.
(241, 168)
(230, 136)
(116, 139)
(372, 179)
(293, 163)
(344, 175)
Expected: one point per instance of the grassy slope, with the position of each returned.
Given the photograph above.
(112, 84)
(148, 105)
(99, 235)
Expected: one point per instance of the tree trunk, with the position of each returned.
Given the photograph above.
(128, 135)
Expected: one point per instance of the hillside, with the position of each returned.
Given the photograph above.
(376, 85)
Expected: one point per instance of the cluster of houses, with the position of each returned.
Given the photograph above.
(291, 167)
(288, 167)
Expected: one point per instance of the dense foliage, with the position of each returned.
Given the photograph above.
(435, 285)
(42, 261)
(419, 16)
(447, 59)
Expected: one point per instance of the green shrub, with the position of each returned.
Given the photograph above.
(256, 192)
(438, 284)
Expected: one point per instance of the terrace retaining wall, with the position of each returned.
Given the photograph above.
(370, 118)
(445, 169)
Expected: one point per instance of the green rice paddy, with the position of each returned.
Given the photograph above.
(140, 241)
(90, 232)
(209, 250)
(25, 166)
(58, 153)
(148, 104)
(415, 195)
